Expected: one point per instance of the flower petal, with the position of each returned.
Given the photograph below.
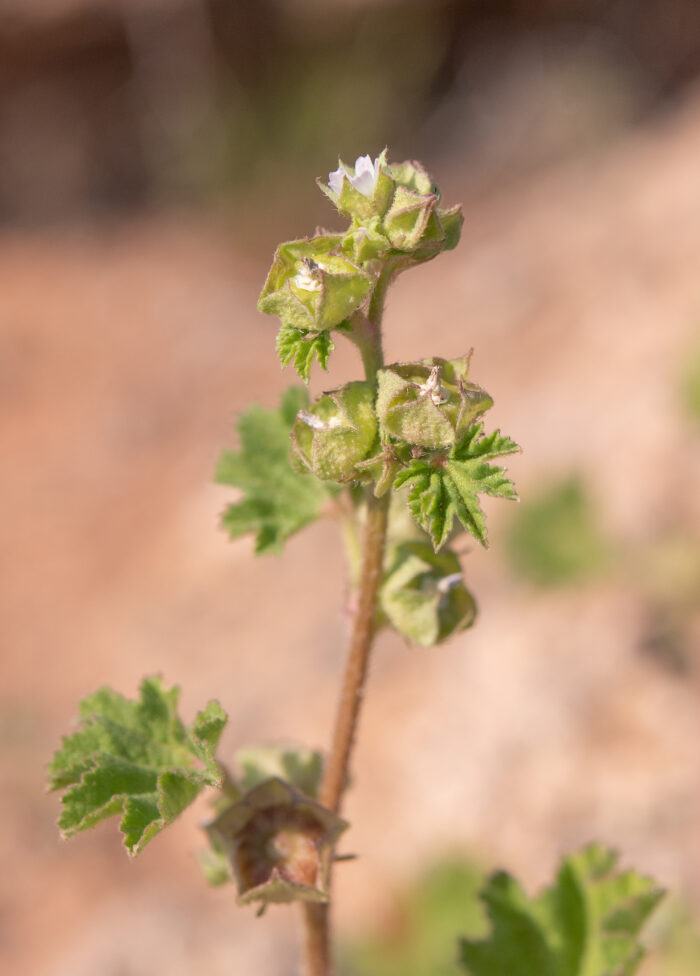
(335, 179)
(365, 177)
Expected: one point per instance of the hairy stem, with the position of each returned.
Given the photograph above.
(335, 777)
(317, 947)
(336, 771)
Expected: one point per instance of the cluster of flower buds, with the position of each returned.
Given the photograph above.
(413, 424)
(393, 208)
(319, 283)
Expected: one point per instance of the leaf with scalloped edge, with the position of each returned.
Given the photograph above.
(444, 486)
(135, 759)
(277, 502)
(586, 924)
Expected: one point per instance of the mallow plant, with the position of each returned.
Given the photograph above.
(403, 455)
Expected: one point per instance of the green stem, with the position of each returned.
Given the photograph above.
(367, 336)
(367, 329)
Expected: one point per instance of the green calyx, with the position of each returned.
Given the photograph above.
(423, 595)
(312, 285)
(429, 404)
(278, 843)
(336, 433)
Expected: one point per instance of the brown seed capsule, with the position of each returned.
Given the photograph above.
(279, 843)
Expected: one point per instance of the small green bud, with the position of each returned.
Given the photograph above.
(279, 844)
(337, 432)
(366, 243)
(423, 595)
(408, 218)
(312, 285)
(429, 404)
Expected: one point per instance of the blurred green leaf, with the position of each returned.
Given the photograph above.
(277, 502)
(585, 924)
(420, 940)
(554, 539)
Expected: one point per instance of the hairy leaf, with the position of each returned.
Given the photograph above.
(301, 348)
(277, 501)
(446, 486)
(137, 759)
(585, 924)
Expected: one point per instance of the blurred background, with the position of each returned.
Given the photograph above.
(152, 155)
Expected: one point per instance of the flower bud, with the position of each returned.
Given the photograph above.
(423, 595)
(337, 432)
(279, 844)
(430, 403)
(313, 285)
(362, 192)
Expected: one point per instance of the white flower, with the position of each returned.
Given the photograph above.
(364, 179)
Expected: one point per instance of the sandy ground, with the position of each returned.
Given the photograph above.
(125, 354)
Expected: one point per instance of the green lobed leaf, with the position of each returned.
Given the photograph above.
(300, 348)
(445, 487)
(586, 924)
(417, 938)
(137, 759)
(277, 501)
